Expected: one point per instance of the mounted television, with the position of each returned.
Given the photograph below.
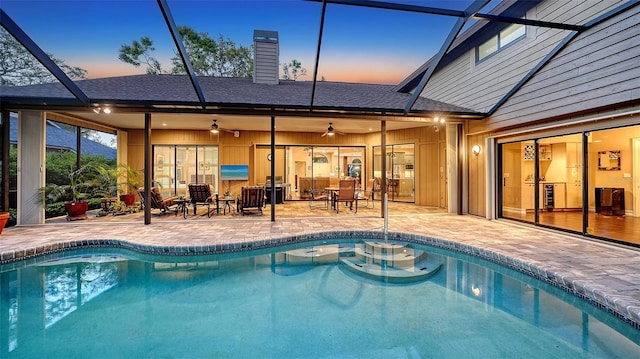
(234, 172)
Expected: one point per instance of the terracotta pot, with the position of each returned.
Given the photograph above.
(4, 217)
(76, 210)
(128, 199)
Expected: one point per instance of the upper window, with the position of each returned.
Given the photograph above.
(505, 37)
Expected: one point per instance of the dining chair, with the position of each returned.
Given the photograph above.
(347, 194)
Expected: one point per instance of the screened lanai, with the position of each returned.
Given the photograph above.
(378, 111)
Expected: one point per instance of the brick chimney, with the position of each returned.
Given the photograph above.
(266, 57)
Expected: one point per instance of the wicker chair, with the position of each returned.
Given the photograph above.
(252, 198)
(200, 194)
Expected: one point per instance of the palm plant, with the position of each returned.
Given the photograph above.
(81, 185)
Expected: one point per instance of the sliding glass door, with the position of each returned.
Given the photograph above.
(400, 171)
(585, 183)
(176, 166)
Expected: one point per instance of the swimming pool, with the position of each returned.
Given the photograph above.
(298, 301)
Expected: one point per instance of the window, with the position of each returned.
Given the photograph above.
(505, 37)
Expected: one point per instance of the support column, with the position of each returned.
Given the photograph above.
(453, 168)
(31, 165)
(383, 166)
(147, 167)
(273, 169)
(5, 145)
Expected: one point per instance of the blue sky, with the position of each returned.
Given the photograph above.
(359, 44)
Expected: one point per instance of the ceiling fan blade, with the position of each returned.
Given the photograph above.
(339, 133)
(324, 134)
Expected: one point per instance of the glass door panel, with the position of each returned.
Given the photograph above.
(164, 169)
(518, 180)
(560, 182)
(400, 171)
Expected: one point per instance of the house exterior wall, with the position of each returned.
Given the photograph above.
(479, 86)
(599, 68)
(430, 175)
(597, 71)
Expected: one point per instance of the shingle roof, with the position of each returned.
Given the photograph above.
(60, 138)
(229, 92)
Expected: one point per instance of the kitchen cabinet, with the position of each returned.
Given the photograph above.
(559, 195)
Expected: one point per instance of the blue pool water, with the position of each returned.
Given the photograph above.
(312, 300)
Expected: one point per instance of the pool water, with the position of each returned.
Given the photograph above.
(301, 301)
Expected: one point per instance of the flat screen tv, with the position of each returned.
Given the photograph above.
(234, 172)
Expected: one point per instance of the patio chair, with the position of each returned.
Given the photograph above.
(200, 194)
(157, 202)
(346, 194)
(252, 198)
(367, 194)
(318, 196)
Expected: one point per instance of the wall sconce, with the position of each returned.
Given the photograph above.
(476, 149)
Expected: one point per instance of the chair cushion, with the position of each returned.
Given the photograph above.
(156, 192)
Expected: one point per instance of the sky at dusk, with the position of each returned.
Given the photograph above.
(359, 44)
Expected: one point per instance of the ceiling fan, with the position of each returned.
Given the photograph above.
(331, 131)
(215, 128)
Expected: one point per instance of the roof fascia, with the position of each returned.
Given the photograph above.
(469, 11)
(315, 69)
(608, 15)
(184, 56)
(42, 57)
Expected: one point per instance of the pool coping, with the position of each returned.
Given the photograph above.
(626, 309)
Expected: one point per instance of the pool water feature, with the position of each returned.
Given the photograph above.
(297, 301)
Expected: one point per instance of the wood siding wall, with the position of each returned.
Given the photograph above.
(248, 148)
(599, 68)
(479, 86)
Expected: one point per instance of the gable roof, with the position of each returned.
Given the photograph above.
(158, 91)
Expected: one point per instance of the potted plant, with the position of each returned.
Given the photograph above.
(81, 183)
(4, 217)
(130, 181)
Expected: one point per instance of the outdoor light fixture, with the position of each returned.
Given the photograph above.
(214, 126)
(99, 110)
(476, 149)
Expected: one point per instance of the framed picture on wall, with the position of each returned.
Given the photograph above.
(160, 163)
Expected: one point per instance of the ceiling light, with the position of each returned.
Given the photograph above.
(99, 110)
(214, 126)
(442, 120)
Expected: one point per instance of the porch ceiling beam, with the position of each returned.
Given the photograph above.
(184, 56)
(315, 69)
(470, 11)
(517, 20)
(397, 6)
(42, 57)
